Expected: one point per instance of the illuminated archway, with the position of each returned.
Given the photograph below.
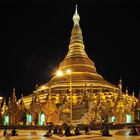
(6, 120)
(128, 118)
(41, 119)
(28, 119)
(112, 119)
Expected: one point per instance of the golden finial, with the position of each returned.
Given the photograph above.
(14, 94)
(36, 86)
(120, 81)
(14, 90)
(133, 93)
(126, 91)
(22, 95)
(76, 17)
(76, 9)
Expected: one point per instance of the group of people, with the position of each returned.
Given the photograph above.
(13, 132)
(105, 131)
(67, 132)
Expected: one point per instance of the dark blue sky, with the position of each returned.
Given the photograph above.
(35, 37)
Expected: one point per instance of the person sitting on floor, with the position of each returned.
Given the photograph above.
(14, 132)
(5, 132)
(105, 131)
(138, 130)
(55, 131)
(49, 133)
(87, 130)
(133, 131)
(60, 132)
(102, 126)
(67, 132)
(76, 131)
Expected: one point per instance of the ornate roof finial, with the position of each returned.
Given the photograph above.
(14, 98)
(14, 90)
(76, 9)
(76, 17)
(36, 86)
(22, 95)
(126, 91)
(120, 86)
(133, 93)
(120, 81)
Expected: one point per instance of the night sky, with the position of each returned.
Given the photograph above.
(35, 37)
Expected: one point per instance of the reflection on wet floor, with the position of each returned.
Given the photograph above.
(125, 133)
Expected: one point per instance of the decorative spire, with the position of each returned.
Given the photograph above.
(126, 91)
(133, 94)
(22, 105)
(14, 98)
(120, 87)
(9, 101)
(76, 17)
(76, 46)
(33, 98)
(36, 86)
(14, 90)
(22, 95)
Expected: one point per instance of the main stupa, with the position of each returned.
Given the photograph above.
(77, 95)
(83, 71)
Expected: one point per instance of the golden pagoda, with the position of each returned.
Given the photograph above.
(83, 74)
(79, 92)
(83, 71)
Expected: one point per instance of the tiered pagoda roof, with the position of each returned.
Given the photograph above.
(82, 67)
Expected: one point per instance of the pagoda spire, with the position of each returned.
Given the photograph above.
(126, 91)
(76, 46)
(120, 87)
(14, 90)
(133, 94)
(82, 67)
(21, 102)
(14, 98)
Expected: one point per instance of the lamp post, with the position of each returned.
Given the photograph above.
(49, 98)
(60, 73)
(69, 73)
